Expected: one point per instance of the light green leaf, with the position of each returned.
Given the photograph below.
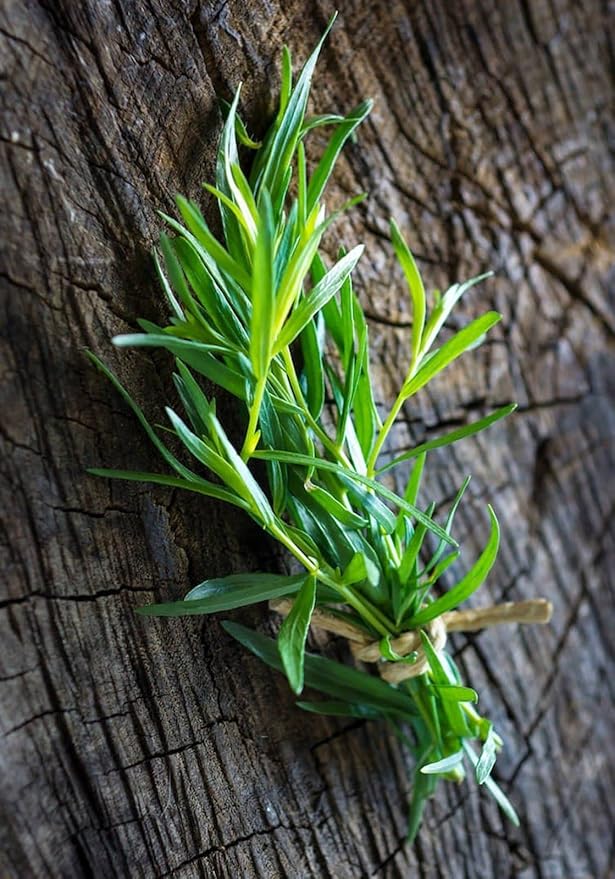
(468, 584)
(251, 489)
(444, 307)
(280, 150)
(317, 298)
(323, 170)
(449, 438)
(454, 693)
(441, 767)
(360, 568)
(195, 222)
(452, 349)
(263, 291)
(455, 717)
(496, 792)
(486, 761)
(293, 634)
(415, 285)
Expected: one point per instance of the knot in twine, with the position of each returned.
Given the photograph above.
(364, 649)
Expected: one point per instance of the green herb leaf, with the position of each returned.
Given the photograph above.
(496, 792)
(340, 136)
(450, 438)
(486, 761)
(441, 767)
(293, 634)
(341, 709)
(226, 593)
(415, 285)
(451, 350)
(196, 484)
(467, 585)
(263, 292)
(332, 678)
(454, 693)
(321, 464)
(317, 298)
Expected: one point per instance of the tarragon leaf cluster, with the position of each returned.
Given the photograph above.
(263, 314)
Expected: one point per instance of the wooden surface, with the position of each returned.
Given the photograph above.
(144, 748)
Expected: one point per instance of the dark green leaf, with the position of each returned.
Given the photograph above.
(341, 709)
(336, 508)
(321, 464)
(226, 593)
(196, 484)
(332, 678)
(202, 358)
(313, 374)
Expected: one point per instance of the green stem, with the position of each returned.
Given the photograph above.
(371, 614)
(383, 433)
(310, 564)
(388, 424)
(255, 410)
(300, 399)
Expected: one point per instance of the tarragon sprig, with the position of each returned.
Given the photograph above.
(262, 315)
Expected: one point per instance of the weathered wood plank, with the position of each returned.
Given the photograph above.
(153, 748)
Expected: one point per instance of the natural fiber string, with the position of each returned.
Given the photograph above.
(536, 610)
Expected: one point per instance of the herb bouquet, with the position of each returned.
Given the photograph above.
(262, 315)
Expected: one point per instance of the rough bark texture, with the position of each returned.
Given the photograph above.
(156, 748)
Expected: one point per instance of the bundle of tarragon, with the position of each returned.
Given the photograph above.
(263, 314)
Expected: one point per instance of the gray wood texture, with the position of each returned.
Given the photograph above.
(144, 748)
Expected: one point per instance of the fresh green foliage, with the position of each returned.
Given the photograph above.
(262, 313)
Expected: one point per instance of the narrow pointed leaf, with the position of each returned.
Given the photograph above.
(486, 761)
(468, 584)
(441, 767)
(332, 678)
(451, 350)
(293, 634)
(263, 292)
(317, 298)
(415, 285)
(318, 463)
(227, 593)
(341, 709)
(452, 437)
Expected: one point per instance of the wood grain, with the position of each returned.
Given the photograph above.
(140, 748)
